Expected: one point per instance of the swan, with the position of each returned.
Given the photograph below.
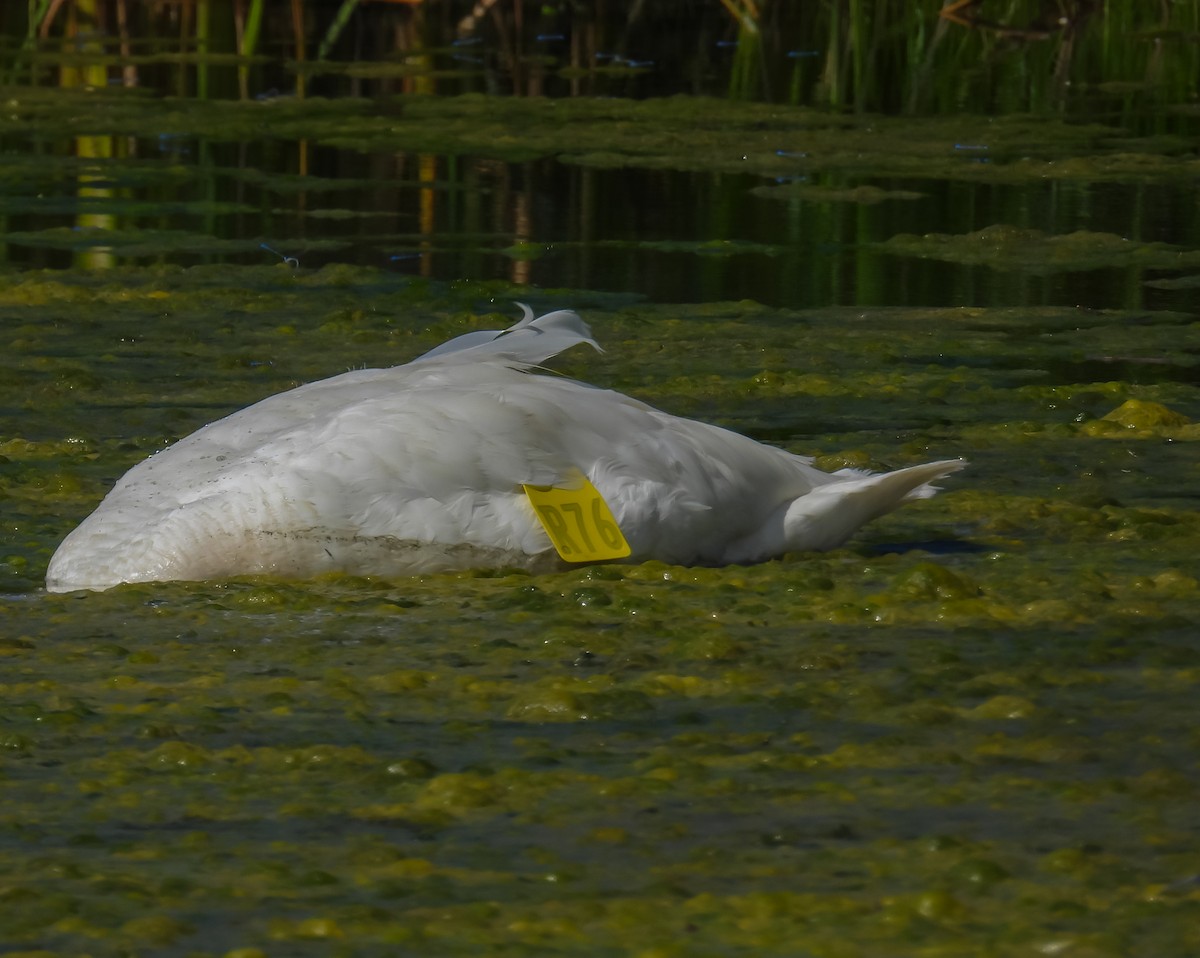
(465, 458)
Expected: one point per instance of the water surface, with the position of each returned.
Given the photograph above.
(972, 730)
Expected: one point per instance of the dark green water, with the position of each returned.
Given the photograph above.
(971, 731)
(698, 200)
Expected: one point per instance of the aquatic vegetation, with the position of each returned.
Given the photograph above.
(691, 133)
(1007, 247)
(973, 729)
(976, 723)
(149, 243)
(885, 55)
(445, 187)
(812, 193)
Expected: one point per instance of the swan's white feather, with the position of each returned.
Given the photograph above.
(420, 467)
(528, 341)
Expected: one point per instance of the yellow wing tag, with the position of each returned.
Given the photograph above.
(578, 521)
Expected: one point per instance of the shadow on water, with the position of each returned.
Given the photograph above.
(937, 547)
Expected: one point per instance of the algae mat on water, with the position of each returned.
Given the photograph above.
(675, 133)
(972, 731)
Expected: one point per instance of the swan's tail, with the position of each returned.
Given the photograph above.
(829, 514)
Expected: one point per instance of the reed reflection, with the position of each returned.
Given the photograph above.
(93, 192)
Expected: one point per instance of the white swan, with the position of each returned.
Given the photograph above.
(447, 463)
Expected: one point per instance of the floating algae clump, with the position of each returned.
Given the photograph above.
(1139, 414)
(1004, 247)
(1142, 418)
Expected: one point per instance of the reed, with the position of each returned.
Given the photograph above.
(248, 33)
(887, 56)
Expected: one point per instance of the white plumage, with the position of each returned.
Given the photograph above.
(421, 467)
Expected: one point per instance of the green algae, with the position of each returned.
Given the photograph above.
(150, 243)
(677, 133)
(974, 724)
(813, 193)
(103, 177)
(1009, 248)
(1148, 417)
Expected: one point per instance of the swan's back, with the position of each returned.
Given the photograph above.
(423, 467)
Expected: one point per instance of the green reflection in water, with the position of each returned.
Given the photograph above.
(680, 198)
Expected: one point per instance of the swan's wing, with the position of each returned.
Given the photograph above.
(528, 342)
